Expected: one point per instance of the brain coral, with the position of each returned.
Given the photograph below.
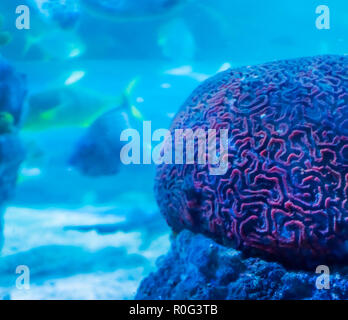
(285, 193)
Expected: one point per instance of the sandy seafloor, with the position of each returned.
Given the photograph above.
(68, 264)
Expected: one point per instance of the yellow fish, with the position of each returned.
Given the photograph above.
(71, 106)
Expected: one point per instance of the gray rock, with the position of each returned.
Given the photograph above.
(197, 267)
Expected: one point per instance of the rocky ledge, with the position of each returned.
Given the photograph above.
(196, 267)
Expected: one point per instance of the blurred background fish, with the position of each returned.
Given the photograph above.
(64, 13)
(5, 36)
(56, 44)
(177, 41)
(71, 106)
(97, 153)
(128, 9)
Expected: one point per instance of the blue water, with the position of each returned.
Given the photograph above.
(97, 237)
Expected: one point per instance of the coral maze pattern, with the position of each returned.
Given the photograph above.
(286, 189)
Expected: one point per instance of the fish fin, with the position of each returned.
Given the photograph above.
(124, 100)
(30, 42)
(129, 89)
(136, 113)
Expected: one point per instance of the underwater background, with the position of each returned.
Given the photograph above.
(90, 231)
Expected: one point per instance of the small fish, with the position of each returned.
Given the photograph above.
(187, 71)
(177, 41)
(6, 122)
(5, 38)
(131, 9)
(55, 44)
(97, 153)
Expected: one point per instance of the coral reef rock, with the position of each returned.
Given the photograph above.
(197, 267)
(284, 193)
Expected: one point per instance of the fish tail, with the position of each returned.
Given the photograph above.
(126, 98)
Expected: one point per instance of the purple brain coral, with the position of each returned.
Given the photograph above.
(285, 192)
